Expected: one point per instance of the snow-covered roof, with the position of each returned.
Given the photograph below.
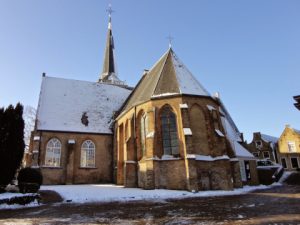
(168, 77)
(78, 106)
(268, 138)
(233, 135)
(231, 132)
(187, 83)
(240, 151)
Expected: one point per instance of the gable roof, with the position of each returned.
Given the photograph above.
(64, 103)
(167, 77)
(289, 128)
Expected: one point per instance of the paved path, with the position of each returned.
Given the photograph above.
(279, 205)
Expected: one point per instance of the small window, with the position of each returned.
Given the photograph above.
(87, 154)
(266, 154)
(294, 162)
(283, 162)
(291, 146)
(256, 154)
(53, 152)
(258, 144)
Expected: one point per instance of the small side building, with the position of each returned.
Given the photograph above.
(73, 138)
(289, 148)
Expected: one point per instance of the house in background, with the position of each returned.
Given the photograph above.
(289, 148)
(297, 99)
(263, 146)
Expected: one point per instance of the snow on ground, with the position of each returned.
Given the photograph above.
(284, 176)
(9, 195)
(12, 195)
(114, 193)
(17, 206)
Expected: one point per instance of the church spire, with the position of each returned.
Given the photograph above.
(109, 73)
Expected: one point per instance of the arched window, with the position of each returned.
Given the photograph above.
(169, 132)
(53, 153)
(144, 131)
(87, 154)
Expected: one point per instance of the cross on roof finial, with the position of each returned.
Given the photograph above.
(109, 10)
(170, 38)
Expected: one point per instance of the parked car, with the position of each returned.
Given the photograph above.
(266, 162)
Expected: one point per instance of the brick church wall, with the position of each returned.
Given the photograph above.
(152, 170)
(70, 171)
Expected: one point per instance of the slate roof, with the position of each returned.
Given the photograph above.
(66, 105)
(268, 138)
(167, 77)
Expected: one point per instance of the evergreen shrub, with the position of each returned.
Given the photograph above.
(29, 180)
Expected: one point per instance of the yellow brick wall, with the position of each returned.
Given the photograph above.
(289, 135)
(70, 170)
(150, 170)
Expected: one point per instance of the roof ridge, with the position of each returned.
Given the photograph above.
(190, 73)
(268, 135)
(167, 53)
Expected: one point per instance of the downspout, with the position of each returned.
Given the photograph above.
(135, 148)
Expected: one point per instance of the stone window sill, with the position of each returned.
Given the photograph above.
(165, 158)
(52, 167)
(83, 167)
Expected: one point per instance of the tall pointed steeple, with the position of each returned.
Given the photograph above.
(109, 73)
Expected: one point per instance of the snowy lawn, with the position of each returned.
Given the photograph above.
(114, 193)
(12, 195)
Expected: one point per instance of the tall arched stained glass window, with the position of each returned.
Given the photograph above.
(169, 132)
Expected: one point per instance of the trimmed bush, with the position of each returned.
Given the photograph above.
(29, 180)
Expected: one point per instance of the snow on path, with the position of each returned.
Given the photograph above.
(9, 195)
(114, 193)
(17, 206)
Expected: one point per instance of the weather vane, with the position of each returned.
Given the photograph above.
(170, 38)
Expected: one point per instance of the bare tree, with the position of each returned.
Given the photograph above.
(29, 119)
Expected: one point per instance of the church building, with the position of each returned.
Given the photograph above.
(168, 132)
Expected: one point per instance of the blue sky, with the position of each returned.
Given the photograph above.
(249, 51)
